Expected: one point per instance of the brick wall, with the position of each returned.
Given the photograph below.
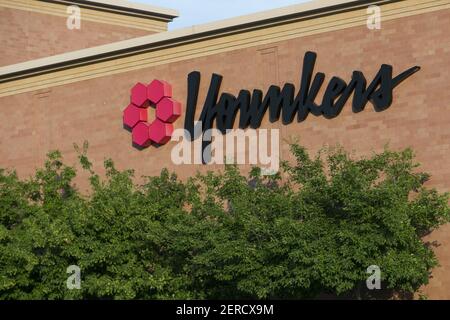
(27, 35)
(34, 123)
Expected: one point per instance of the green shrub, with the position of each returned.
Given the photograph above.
(314, 228)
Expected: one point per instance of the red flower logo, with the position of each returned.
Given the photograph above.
(157, 94)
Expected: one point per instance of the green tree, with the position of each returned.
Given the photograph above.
(312, 229)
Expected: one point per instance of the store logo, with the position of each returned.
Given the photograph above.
(222, 109)
(158, 94)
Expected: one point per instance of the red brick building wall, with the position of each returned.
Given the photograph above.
(55, 118)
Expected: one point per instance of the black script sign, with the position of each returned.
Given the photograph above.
(285, 103)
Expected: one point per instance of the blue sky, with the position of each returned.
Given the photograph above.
(202, 11)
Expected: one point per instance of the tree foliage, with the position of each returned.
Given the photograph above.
(314, 228)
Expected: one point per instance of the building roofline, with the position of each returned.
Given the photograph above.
(124, 7)
(181, 36)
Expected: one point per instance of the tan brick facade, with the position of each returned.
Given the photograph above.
(48, 35)
(32, 29)
(56, 117)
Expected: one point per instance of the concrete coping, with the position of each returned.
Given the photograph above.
(123, 6)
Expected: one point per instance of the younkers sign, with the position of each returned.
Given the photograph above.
(252, 107)
(285, 103)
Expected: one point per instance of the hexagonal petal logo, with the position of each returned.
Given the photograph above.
(160, 132)
(145, 131)
(157, 90)
(139, 95)
(168, 110)
(141, 135)
(132, 115)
